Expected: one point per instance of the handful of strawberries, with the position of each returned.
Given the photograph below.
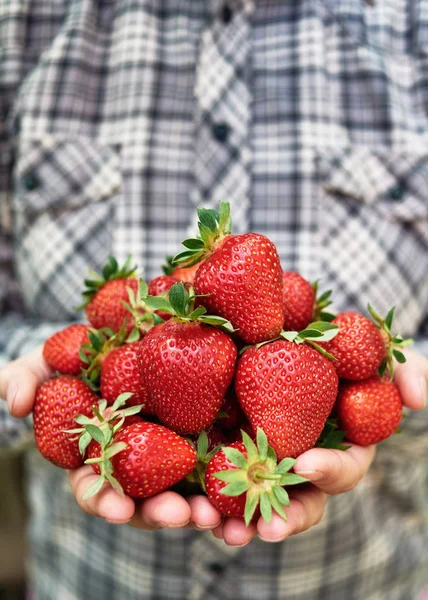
(214, 376)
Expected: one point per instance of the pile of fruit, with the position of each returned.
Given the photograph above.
(214, 377)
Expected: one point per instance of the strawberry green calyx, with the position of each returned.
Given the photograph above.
(320, 304)
(260, 476)
(203, 458)
(332, 436)
(102, 341)
(102, 428)
(168, 267)
(110, 271)
(393, 343)
(319, 331)
(213, 227)
(181, 304)
(143, 316)
(107, 420)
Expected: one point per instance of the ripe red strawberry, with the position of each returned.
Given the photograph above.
(369, 411)
(358, 348)
(184, 274)
(146, 459)
(61, 350)
(58, 402)
(288, 390)
(240, 277)
(244, 480)
(120, 373)
(186, 364)
(299, 298)
(105, 293)
(157, 287)
(230, 415)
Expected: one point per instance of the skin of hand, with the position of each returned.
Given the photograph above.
(330, 471)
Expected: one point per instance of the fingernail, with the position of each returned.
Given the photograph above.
(311, 475)
(12, 392)
(206, 527)
(276, 541)
(424, 391)
(114, 522)
(171, 525)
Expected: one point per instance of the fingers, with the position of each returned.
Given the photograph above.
(306, 510)
(411, 378)
(19, 380)
(165, 510)
(107, 504)
(235, 532)
(203, 514)
(335, 471)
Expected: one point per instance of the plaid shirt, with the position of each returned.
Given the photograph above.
(311, 118)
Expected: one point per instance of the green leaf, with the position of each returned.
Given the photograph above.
(399, 356)
(115, 449)
(94, 488)
(290, 336)
(143, 288)
(84, 441)
(83, 357)
(285, 465)
(201, 310)
(157, 320)
(326, 316)
(382, 367)
(292, 479)
(202, 445)
(250, 506)
(224, 218)
(236, 488)
(265, 507)
(115, 484)
(132, 410)
(178, 298)
(184, 257)
(324, 296)
(374, 314)
(193, 244)
(121, 400)
(236, 457)
(232, 476)
(134, 336)
(83, 420)
(262, 444)
(389, 318)
(95, 341)
(281, 495)
(95, 433)
(277, 505)
(250, 447)
(322, 326)
(159, 303)
(208, 219)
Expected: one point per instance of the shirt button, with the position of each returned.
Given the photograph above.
(226, 14)
(31, 181)
(221, 131)
(396, 192)
(216, 568)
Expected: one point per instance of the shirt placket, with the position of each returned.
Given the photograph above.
(223, 153)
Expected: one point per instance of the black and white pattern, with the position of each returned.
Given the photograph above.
(311, 118)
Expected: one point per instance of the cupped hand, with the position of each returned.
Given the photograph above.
(330, 471)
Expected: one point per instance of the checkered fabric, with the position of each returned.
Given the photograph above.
(311, 118)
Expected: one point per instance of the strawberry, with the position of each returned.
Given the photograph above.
(143, 460)
(369, 411)
(57, 404)
(299, 298)
(186, 363)
(61, 350)
(120, 373)
(240, 277)
(184, 274)
(243, 479)
(105, 293)
(160, 286)
(230, 415)
(288, 389)
(358, 347)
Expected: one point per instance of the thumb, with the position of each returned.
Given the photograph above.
(20, 379)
